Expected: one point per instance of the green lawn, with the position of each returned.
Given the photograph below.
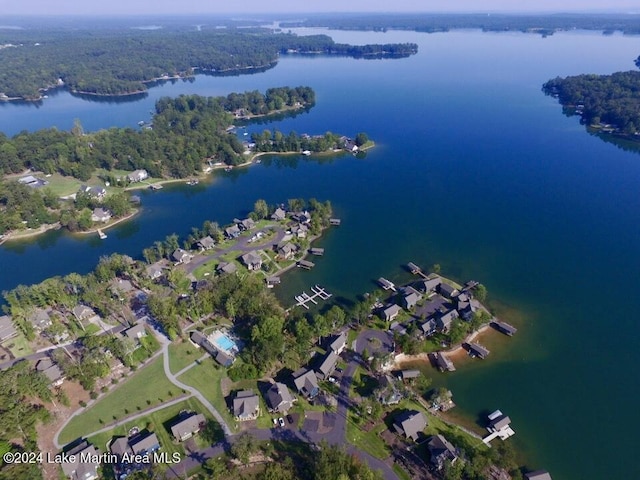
(158, 422)
(399, 471)
(371, 442)
(206, 379)
(182, 354)
(18, 345)
(146, 388)
(208, 267)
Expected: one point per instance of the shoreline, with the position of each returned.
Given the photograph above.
(108, 225)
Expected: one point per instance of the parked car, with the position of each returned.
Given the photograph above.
(281, 421)
(289, 419)
(275, 422)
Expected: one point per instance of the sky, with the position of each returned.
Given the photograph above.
(161, 7)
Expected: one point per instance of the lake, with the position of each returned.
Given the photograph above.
(475, 169)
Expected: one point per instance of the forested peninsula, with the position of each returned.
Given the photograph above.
(111, 63)
(610, 103)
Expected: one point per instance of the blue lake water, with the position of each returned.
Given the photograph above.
(474, 169)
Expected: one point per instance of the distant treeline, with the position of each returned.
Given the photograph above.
(542, 24)
(122, 62)
(601, 99)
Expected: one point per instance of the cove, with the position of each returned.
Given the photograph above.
(475, 169)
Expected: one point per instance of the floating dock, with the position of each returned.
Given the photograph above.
(386, 284)
(101, 234)
(318, 292)
(504, 327)
(413, 268)
(307, 265)
(155, 186)
(335, 221)
(317, 251)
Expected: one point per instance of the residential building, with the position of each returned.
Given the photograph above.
(246, 406)
(444, 321)
(447, 290)
(136, 332)
(278, 398)
(100, 215)
(83, 313)
(232, 231)
(226, 267)
(279, 214)
(181, 256)
(440, 451)
(7, 329)
(286, 250)
(338, 343)
(410, 424)
(75, 468)
(138, 176)
(327, 365)
(247, 224)
(252, 260)
(154, 271)
(429, 327)
(410, 300)
(189, 426)
(94, 192)
(409, 374)
(40, 319)
(388, 393)
(51, 371)
(206, 243)
(144, 444)
(391, 312)
(431, 284)
(306, 383)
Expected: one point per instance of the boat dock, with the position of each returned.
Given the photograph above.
(101, 234)
(504, 327)
(317, 291)
(317, 251)
(477, 350)
(155, 186)
(334, 221)
(386, 284)
(416, 270)
(307, 265)
(443, 363)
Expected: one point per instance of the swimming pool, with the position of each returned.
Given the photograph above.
(223, 342)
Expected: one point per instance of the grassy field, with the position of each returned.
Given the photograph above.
(182, 354)
(18, 346)
(146, 388)
(371, 441)
(158, 422)
(206, 379)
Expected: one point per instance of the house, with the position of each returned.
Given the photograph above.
(429, 327)
(440, 451)
(338, 343)
(187, 427)
(388, 393)
(306, 383)
(232, 231)
(327, 365)
(7, 329)
(51, 371)
(199, 340)
(447, 290)
(154, 271)
(279, 214)
(397, 327)
(300, 230)
(136, 332)
(33, 182)
(286, 250)
(40, 319)
(138, 176)
(465, 307)
(120, 447)
(390, 313)
(83, 313)
(302, 217)
(223, 359)
(143, 444)
(410, 300)
(206, 243)
(93, 192)
(247, 224)
(444, 321)
(181, 256)
(120, 287)
(76, 468)
(410, 424)
(252, 260)
(246, 406)
(538, 475)
(477, 350)
(100, 215)
(431, 284)
(278, 398)
(226, 267)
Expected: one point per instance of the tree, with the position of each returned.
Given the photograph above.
(361, 139)
(243, 447)
(480, 292)
(435, 268)
(261, 209)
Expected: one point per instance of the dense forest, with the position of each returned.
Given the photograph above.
(124, 61)
(431, 23)
(601, 99)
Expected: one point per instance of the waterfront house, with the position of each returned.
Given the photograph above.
(300, 231)
(232, 232)
(327, 365)
(279, 214)
(75, 468)
(100, 215)
(431, 284)
(444, 320)
(410, 424)
(538, 475)
(188, 427)
(226, 267)
(388, 393)
(247, 224)
(447, 291)
(397, 327)
(278, 398)
(181, 256)
(120, 288)
(302, 217)
(338, 343)
(154, 271)
(440, 451)
(94, 192)
(51, 371)
(7, 329)
(429, 327)
(144, 444)
(286, 250)
(306, 383)
(246, 406)
(83, 313)
(410, 300)
(390, 313)
(40, 319)
(206, 243)
(138, 176)
(252, 260)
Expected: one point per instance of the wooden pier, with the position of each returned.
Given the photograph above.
(416, 270)
(101, 234)
(317, 292)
